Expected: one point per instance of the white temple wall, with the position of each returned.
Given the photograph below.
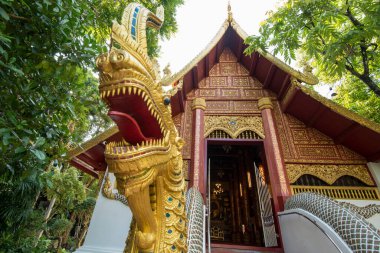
(109, 226)
(374, 168)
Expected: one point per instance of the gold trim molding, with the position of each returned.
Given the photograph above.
(83, 147)
(328, 173)
(234, 125)
(265, 103)
(198, 103)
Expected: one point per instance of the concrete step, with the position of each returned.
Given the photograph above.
(220, 248)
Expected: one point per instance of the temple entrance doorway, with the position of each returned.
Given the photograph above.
(238, 195)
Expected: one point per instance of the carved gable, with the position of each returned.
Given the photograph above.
(302, 144)
(229, 89)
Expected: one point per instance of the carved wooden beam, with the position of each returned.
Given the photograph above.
(84, 168)
(195, 77)
(375, 156)
(284, 86)
(207, 65)
(96, 165)
(219, 47)
(269, 77)
(346, 132)
(253, 66)
(181, 100)
(240, 50)
(289, 97)
(315, 117)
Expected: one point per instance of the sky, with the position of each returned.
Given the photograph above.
(199, 21)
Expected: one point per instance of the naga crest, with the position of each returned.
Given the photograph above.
(146, 157)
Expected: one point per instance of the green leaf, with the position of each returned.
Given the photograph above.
(4, 130)
(39, 154)
(4, 14)
(49, 183)
(39, 142)
(10, 168)
(6, 138)
(20, 150)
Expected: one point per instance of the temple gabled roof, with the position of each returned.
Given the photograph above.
(343, 126)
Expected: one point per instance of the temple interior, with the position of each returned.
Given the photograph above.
(234, 200)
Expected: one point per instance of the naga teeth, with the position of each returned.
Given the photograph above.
(166, 139)
(129, 90)
(124, 89)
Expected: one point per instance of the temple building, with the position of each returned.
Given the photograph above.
(254, 136)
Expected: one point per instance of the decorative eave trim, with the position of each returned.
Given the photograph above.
(307, 78)
(83, 147)
(340, 109)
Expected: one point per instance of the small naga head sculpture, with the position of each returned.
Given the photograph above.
(146, 156)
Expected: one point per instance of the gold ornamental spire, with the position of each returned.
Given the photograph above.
(229, 12)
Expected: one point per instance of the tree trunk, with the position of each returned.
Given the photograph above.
(66, 235)
(83, 232)
(46, 217)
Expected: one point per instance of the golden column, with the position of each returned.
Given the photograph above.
(197, 174)
(275, 160)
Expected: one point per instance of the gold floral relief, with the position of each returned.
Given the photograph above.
(328, 173)
(234, 125)
(227, 56)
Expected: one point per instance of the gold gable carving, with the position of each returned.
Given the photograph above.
(328, 173)
(234, 125)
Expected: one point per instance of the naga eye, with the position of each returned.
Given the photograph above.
(166, 100)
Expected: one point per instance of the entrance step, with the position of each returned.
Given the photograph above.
(220, 248)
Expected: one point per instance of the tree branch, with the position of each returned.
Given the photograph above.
(363, 52)
(349, 14)
(364, 78)
(19, 17)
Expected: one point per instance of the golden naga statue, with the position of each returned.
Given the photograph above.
(146, 159)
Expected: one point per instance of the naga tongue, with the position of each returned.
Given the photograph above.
(128, 127)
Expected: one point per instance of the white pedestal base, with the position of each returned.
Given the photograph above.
(109, 226)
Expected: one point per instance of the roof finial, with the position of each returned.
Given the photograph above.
(229, 12)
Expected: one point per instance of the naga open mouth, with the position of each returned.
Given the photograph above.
(138, 119)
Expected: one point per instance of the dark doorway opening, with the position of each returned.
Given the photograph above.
(235, 212)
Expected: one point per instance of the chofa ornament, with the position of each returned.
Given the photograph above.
(146, 158)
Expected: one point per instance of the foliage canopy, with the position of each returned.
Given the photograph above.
(49, 99)
(339, 37)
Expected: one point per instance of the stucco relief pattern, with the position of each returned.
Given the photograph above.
(328, 173)
(230, 89)
(177, 122)
(302, 144)
(187, 130)
(233, 125)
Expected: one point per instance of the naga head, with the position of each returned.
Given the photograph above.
(130, 85)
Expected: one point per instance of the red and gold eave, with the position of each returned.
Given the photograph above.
(343, 126)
